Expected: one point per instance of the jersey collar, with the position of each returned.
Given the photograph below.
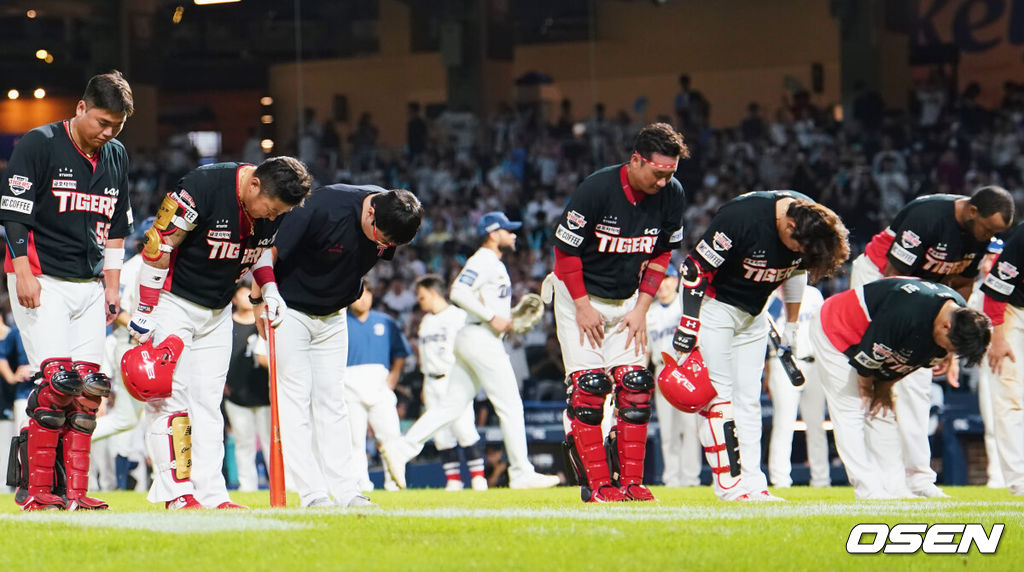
(633, 196)
(94, 160)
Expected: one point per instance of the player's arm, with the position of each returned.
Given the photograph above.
(569, 269)
(113, 261)
(25, 174)
(265, 296)
(636, 319)
(792, 296)
(996, 295)
(174, 220)
(399, 351)
(463, 294)
(27, 284)
(572, 234)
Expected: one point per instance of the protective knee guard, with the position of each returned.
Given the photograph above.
(721, 446)
(634, 386)
(95, 386)
(64, 381)
(585, 411)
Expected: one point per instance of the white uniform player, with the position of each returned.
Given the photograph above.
(786, 398)
(437, 332)
(680, 444)
(484, 290)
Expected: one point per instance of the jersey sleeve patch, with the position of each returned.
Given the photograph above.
(712, 257)
(903, 255)
(467, 277)
(998, 285)
(867, 361)
(676, 236)
(569, 237)
(19, 184)
(23, 206)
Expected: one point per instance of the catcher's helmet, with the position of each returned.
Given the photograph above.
(147, 370)
(687, 386)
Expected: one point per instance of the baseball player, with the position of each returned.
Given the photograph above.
(809, 398)
(865, 341)
(65, 208)
(680, 446)
(440, 324)
(756, 242)
(376, 356)
(484, 290)
(613, 243)
(207, 235)
(322, 253)
(1004, 304)
(940, 238)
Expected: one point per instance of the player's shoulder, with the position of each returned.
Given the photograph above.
(930, 203)
(598, 183)
(341, 193)
(41, 136)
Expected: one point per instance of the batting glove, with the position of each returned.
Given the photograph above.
(789, 337)
(685, 337)
(141, 327)
(275, 303)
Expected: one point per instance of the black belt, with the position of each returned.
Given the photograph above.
(435, 375)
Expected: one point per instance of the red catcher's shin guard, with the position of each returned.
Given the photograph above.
(589, 442)
(76, 465)
(631, 442)
(42, 454)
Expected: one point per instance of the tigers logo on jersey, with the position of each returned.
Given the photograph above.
(881, 351)
(910, 239)
(19, 184)
(575, 220)
(74, 201)
(1006, 270)
(721, 242)
(625, 244)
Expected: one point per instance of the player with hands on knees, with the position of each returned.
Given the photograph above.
(757, 242)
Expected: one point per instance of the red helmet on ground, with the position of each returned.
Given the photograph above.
(147, 370)
(687, 386)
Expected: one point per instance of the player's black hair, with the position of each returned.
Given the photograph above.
(431, 282)
(110, 91)
(991, 200)
(660, 138)
(970, 332)
(822, 235)
(397, 214)
(284, 178)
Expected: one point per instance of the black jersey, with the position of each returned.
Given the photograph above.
(322, 253)
(926, 241)
(70, 204)
(225, 243)
(885, 327)
(1004, 280)
(247, 383)
(743, 249)
(615, 238)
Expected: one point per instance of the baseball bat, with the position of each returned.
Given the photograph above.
(796, 377)
(276, 468)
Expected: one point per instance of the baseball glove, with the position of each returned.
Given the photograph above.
(527, 313)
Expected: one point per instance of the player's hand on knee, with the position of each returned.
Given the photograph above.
(275, 304)
(685, 337)
(141, 327)
(589, 322)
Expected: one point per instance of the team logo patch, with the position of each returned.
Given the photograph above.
(219, 234)
(1006, 270)
(992, 281)
(19, 184)
(23, 206)
(607, 228)
(567, 236)
(676, 236)
(186, 198)
(379, 330)
(866, 361)
(652, 231)
(910, 239)
(713, 258)
(65, 184)
(721, 242)
(881, 351)
(575, 220)
(468, 277)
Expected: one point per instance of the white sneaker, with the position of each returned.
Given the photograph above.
(396, 453)
(535, 481)
(320, 502)
(931, 492)
(478, 483)
(359, 501)
(454, 485)
(763, 496)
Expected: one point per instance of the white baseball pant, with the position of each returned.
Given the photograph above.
(316, 441)
(1008, 403)
(460, 432)
(68, 323)
(370, 402)
(198, 389)
(854, 430)
(248, 424)
(987, 380)
(680, 443)
(786, 399)
(913, 404)
(480, 362)
(124, 413)
(614, 350)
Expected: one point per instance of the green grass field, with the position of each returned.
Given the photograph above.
(501, 530)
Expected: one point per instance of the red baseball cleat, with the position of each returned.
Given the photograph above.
(636, 492)
(184, 502)
(606, 493)
(231, 505)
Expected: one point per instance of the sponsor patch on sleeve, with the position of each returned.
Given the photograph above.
(713, 258)
(575, 220)
(997, 285)
(567, 236)
(903, 255)
(676, 236)
(17, 205)
(467, 277)
(867, 361)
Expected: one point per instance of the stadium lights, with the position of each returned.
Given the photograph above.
(266, 100)
(13, 94)
(205, 2)
(39, 93)
(178, 13)
(266, 119)
(267, 145)
(48, 59)
(30, 14)
(41, 54)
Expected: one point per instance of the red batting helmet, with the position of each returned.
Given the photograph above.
(687, 386)
(147, 370)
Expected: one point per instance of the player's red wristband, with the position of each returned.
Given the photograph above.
(263, 275)
(994, 309)
(148, 298)
(569, 269)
